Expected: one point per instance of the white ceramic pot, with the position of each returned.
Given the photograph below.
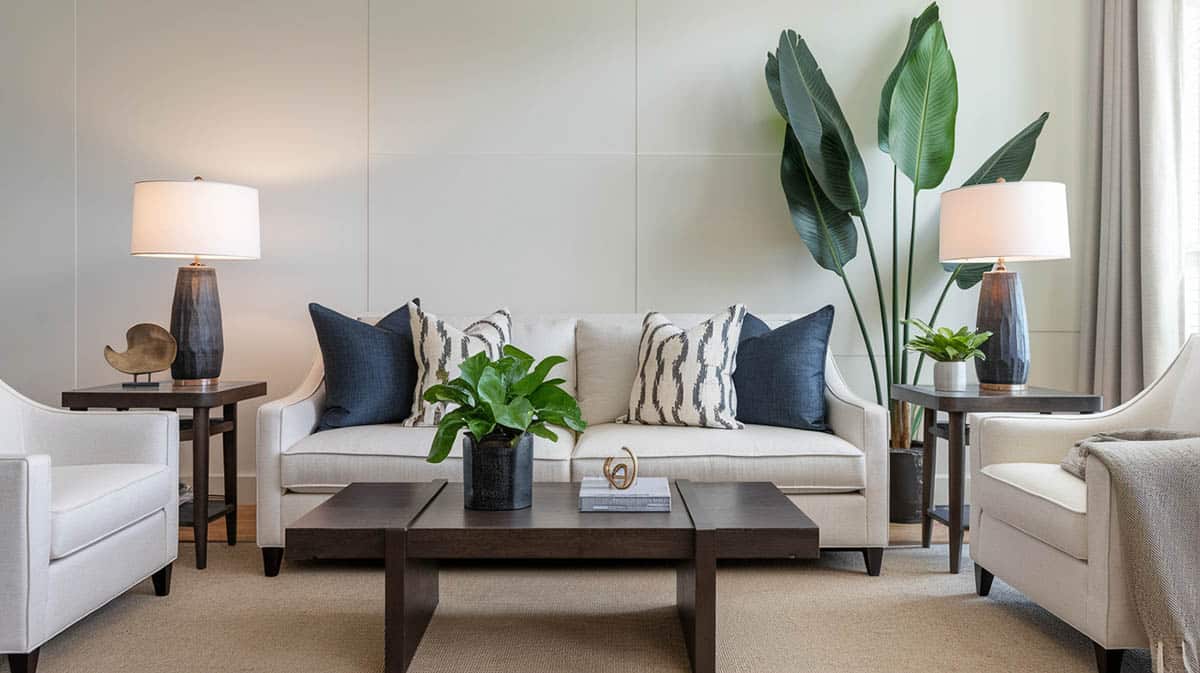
(950, 376)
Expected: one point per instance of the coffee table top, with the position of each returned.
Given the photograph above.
(750, 520)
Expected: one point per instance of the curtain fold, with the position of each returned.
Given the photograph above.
(1133, 314)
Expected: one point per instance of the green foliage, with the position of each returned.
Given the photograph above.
(944, 345)
(827, 230)
(505, 397)
(923, 111)
(916, 31)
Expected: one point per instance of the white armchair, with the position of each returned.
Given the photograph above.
(89, 507)
(1054, 537)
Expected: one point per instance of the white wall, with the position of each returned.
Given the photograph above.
(544, 154)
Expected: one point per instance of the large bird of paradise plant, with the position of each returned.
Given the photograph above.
(825, 180)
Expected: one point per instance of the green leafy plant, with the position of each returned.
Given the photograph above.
(825, 179)
(503, 399)
(944, 345)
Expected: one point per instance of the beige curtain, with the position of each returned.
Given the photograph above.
(1133, 321)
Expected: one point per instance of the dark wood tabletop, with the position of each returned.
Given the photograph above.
(167, 395)
(1032, 399)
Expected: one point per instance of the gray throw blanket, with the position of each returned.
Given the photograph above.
(1156, 483)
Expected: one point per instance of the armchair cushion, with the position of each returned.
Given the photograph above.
(1039, 499)
(91, 502)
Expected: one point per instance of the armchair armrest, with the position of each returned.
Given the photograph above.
(865, 425)
(91, 437)
(24, 549)
(282, 423)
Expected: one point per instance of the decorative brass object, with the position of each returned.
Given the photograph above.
(622, 475)
(149, 349)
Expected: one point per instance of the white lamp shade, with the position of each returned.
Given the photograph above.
(1019, 221)
(195, 218)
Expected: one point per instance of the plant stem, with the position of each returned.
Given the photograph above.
(908, 281)
(896, 345)
(933, 319)
(862, 326)
(883, 316)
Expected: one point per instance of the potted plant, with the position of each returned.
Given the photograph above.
(949, 351)
(824, 179)
(501, 404)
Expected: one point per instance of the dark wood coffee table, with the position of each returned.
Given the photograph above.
(414, 525)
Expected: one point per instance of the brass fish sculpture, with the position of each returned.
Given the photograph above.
(149, 349)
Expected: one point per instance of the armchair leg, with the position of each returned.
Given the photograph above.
(162, 581)
(873, 557)
(272, 559)
(983, 580)
(1108, 661)
(24, 663)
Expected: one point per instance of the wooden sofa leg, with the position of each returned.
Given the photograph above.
(272, 559)
(983, 580)
(873, 557)
(1108, 661)
(24, 663)
(162, 581)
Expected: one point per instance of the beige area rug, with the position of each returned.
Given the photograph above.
(793, 617)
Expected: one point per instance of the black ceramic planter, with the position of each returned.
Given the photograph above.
(497, 475)
(906, 484)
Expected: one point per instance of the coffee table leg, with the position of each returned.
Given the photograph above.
(696, 599)
(411, 595)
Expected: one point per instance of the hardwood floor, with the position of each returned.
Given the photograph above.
(901, 534)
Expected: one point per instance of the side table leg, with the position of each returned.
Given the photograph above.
(696, 600)
(229, 442)
(200, 484)
(928, 470)
(957, 447)
(410, 595)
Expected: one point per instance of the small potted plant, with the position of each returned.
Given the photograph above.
(501, 404)
(950, 352)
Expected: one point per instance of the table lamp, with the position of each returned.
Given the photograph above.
(201, 220)
(1004, 222)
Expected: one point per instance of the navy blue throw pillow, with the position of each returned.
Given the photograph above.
(370, 371)
(780, 375)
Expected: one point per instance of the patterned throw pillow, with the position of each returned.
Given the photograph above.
(440, 348)
(686, 377)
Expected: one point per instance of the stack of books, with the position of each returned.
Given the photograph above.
(648, 494)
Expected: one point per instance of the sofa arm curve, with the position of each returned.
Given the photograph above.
(865, 425)
(282, 423)
(24, 550)
(94, 437)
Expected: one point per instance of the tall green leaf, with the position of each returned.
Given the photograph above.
(924, 107)
(772, 72)
(1012, 159)
(1010, 163)
(826, 230)
(916, 30)
(819, 125)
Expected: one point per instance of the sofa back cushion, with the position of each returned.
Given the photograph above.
(606, 349)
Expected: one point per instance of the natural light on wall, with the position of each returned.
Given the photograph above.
(1190, 200)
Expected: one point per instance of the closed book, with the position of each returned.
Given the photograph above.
(649, 494)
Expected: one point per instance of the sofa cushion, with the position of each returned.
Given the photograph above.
(370, 371)
(780, 375)
(327, 461)
(91, 502)
(797, 461)
(440, 350)
(1039, 499)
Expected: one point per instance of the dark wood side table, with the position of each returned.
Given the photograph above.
(955, 432)
(200, 399)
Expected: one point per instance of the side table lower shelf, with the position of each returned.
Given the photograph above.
(941, 513)
(217, 508)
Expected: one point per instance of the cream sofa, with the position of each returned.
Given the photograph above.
(840, 479)
(89, 507)
(1053, 537)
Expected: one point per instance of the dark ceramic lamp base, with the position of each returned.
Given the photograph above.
(196, 326)
(1002, 312)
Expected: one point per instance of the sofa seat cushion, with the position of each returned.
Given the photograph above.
(329, 460)
(1040, 499)
(90, 502)
(797, 461)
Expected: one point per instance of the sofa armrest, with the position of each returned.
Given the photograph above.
(282, 423)
(24, 550)
(865, 425)
(93, 437)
